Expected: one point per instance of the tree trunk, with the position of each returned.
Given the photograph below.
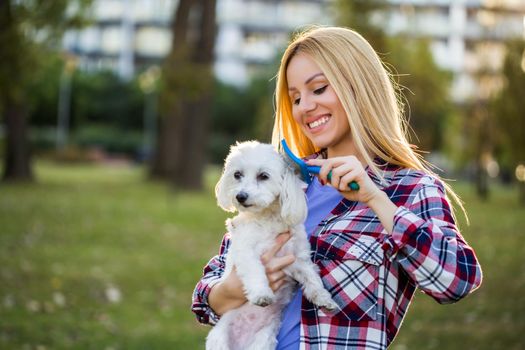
(483, 150)
(17, 155)
(521, 193)
(186, 98)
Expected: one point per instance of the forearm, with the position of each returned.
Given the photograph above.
(385, 209)
(225, 297)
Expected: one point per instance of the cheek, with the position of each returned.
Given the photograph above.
(295, 114)
(270, 189)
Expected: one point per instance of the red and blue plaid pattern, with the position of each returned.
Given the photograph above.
(371, 274)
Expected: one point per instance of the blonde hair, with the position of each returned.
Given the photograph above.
(366, 92)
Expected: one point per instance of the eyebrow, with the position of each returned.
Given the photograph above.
(308, 80)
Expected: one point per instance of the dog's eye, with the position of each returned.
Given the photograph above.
(263, 176)
(237, 175)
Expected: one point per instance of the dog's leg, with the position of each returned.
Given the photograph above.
(253, 276)
(304, 271)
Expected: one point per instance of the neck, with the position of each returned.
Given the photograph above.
(344, 150)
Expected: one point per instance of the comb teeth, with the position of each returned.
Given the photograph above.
(307, 171)
(303, 167)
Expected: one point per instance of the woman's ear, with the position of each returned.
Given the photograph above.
(224, 200)
(292, 199)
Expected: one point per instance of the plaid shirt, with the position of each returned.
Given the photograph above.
(372, 275)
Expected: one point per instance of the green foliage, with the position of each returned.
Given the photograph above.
(109, 138)
(106, 111)
(425, 88)
(238, 115)
(96, 258)
(104, 98)
(359, 15)
(28, 29)
(44, 86)
(508, 108)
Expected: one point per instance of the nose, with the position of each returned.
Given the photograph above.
(241, 197)
(306, 104)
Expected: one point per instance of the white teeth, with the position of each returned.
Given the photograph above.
(318, 122)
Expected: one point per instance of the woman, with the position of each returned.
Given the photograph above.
(336, 106)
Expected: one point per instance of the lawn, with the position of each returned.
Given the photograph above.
(98, 258)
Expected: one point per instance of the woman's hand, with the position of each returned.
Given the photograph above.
(229, 293)
(275, 265)
(344, 171)
(348, 169)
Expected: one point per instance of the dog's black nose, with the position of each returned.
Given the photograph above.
(241, 197)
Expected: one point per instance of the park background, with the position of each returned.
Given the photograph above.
(109, 160)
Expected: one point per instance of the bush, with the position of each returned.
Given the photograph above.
(109, 139)
(42, 139)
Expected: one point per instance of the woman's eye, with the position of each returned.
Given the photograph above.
(296, 101)
(320, 90)
(237, 175)
(263, 176)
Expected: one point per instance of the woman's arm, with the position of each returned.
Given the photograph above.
(423, 237)
(426, 242)
(214, 295)
(212, 274)
(227, 294)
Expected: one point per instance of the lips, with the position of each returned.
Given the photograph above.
(319, 122)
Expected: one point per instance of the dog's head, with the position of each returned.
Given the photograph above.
(256, 178)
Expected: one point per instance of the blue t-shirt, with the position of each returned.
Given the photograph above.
(321, 200)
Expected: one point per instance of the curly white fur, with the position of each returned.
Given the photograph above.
(258, 183)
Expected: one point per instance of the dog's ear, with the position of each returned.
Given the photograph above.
(292, 198)
(221, 192)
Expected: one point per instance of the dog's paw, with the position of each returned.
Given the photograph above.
(324, 299)
(330, 306)
(264, 301)
(262, 298)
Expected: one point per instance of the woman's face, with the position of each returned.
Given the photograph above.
(316, 107)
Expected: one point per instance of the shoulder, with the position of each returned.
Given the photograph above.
(406, 185)
(415, 178)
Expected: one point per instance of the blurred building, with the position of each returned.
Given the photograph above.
(129, 34)
(466, 35)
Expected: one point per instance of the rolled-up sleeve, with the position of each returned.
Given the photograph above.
(427, 244)
(212, 274)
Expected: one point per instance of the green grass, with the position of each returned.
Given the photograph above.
(83, 232)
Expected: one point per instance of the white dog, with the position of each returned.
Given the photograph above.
(263, 188)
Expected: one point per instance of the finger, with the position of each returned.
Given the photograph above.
(338, 172)
(275, 276)
(275, 286)
(279, 263)
(347, 178)
(280, 241)
(325, 170)
(316, 161)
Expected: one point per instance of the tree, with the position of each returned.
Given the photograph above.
(186, 95)
(28, 30)
(359, 15)
(425, 87)
(508, 109)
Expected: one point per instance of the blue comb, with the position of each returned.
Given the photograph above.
(308, 170)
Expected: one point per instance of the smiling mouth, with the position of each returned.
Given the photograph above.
(318, 122)
(247, 205)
